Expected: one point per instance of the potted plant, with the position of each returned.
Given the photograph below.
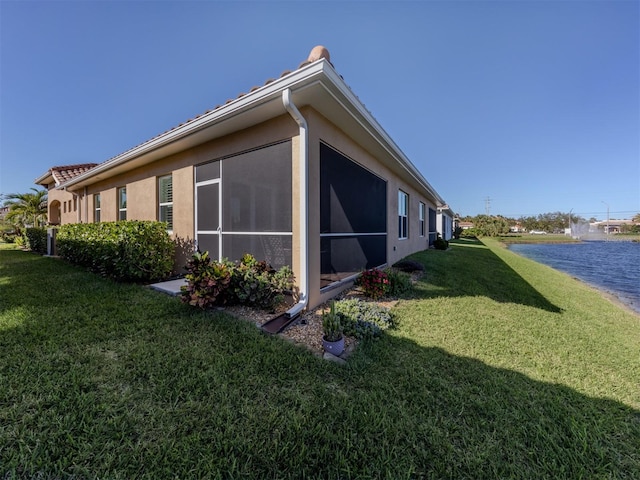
(332, 339)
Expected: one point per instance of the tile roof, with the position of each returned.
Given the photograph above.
(316, 53)
(67, 172)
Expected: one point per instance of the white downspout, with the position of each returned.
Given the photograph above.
(304, 204)
(86, 206)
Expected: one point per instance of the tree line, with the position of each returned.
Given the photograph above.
(555, 222)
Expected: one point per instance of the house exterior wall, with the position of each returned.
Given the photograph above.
(322, 130)
(142, 183)
(142, 191)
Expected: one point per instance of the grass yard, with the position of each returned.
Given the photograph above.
(500, 368)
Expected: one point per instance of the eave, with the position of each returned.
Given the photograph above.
(316, 85)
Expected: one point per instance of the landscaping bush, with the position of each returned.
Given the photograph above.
(399, 282)
(255, 283)
(9, 237)
(207, 281)
(36, 239)
(374, 283)
(440, 244)
(129, 250)
(362, 319)
(249, 282)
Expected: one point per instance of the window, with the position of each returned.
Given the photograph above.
(403, 215)
(165, 200)
(422, 224)
(122, 203)
(96, 208)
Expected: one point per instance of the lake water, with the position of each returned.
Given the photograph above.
(611, 266)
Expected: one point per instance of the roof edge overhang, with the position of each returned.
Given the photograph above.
(309, 85)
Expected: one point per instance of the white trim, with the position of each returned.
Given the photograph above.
(257, 233)
(368, 234)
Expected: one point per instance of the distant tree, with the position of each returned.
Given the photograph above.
(26, 209)
(491, 226)
(636, 218)
(551, 222)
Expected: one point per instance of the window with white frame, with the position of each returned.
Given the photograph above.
(403, 215)
(165, 200)
(96, 208)
(122, 203)
(422, 219)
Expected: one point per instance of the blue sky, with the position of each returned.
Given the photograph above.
(534, 105)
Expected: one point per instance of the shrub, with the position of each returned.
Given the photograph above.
(128, 250)
(374, 283)
(249, 282)
(36, 239)
(470, 233)
(399, 282)
(362, 319)
(440, 244)
(9, 237)
(207, 281)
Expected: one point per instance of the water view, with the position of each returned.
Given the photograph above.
(611, 266)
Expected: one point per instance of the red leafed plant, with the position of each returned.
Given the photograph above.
(374, 283)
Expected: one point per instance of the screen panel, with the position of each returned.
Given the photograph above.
(352, 199)
(274, 249)
(257, 190)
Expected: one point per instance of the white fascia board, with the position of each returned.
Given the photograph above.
(249, 101)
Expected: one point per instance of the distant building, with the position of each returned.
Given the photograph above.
(465, 225)
(610, 226)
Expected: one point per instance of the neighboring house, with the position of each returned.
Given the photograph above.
(63, 206)
(465, 225)
(444, 222)
(296, 172)
(611, 226)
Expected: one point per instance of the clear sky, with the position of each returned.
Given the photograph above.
(508, 107)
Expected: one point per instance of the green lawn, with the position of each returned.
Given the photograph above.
(500, 368)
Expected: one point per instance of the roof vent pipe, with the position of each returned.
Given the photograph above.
(304, 204)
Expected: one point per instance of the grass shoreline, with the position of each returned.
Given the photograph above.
(500, 368)
(610, 295)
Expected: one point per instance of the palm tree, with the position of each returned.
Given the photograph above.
(636, 218)
(26, 209)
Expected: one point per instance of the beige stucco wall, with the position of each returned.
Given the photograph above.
(142, 191)
(142, 183)
(321, 130)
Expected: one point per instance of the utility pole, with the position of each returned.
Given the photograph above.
(487, 206)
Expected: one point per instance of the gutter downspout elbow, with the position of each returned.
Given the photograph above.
(304, 203)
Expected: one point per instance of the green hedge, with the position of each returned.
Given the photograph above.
(36, 239)
(130, 250)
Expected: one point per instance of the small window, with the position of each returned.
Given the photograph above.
(165, 200)
(122, 203)
(96, 208)
(422, 219)
(403, 215)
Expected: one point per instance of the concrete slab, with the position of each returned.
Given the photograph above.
(172, 287)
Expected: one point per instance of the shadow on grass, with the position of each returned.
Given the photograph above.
(469, 268)
(142, 387)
